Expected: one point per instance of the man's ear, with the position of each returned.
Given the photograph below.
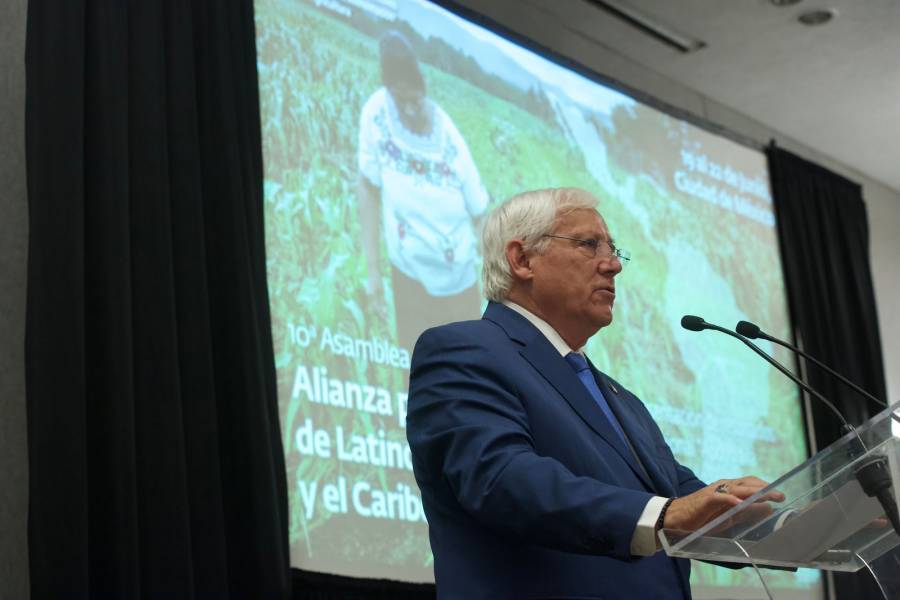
(519, 260)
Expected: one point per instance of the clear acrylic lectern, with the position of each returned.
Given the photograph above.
(827, 520)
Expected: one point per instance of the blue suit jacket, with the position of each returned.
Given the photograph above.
(528, 491)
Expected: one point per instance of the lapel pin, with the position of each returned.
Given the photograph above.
(613, 387)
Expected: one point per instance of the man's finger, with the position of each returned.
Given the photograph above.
(718, 503)
(770, 496)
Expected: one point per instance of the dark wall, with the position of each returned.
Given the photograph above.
(13, 242)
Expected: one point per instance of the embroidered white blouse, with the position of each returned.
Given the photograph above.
(430, 192)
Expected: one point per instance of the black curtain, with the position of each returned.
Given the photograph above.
(824, 236)
(310, 585)
(155, 462)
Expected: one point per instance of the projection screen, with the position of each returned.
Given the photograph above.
(367, 245)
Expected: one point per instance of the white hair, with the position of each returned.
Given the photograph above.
(528, 217)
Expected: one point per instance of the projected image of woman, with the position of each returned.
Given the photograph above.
(417, 180)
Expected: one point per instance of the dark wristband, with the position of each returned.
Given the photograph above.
(662, 514)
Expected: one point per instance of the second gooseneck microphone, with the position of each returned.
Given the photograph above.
(752, 331)
(694, 323)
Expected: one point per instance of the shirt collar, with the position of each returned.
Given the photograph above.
(544, 327)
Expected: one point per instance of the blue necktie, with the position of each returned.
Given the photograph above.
(579, 363)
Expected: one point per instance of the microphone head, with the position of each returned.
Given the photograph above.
(693, 323)
(747, 329)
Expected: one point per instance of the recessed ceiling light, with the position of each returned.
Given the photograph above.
(817, 17)
(785, 2)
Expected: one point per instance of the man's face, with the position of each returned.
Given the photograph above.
(573, 290)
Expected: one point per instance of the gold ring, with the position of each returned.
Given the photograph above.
(722, 488)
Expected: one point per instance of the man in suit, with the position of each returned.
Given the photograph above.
(542, 477)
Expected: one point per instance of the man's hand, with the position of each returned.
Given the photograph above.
(693, 511)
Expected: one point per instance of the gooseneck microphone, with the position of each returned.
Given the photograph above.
(694, 323)
(752, 331)
(873, 473)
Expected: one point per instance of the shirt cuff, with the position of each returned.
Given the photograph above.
(644, 541)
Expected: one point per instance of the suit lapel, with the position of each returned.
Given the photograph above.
(554, 368)
(637, 435)
(538, 351)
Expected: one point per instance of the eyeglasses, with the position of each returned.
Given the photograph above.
(599, 248)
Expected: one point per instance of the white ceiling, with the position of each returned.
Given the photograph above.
(834, 88)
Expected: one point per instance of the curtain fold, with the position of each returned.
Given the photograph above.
(156, 467)
(824, 235)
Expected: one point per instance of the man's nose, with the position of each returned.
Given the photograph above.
(611, 266)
